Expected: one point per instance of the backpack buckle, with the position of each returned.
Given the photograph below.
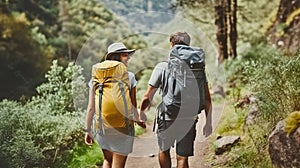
(101, 88)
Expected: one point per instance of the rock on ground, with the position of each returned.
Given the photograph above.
(284, 150)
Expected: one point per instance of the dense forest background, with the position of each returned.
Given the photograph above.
(47, 48)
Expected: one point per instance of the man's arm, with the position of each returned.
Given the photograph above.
(207, 130)
(146, 101)
(208, 104)
(154, 83)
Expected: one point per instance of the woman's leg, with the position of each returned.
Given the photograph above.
(119, 160)
(108, 158)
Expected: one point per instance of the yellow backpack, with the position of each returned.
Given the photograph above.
(112, 97)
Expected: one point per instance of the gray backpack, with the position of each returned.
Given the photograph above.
(183, 83)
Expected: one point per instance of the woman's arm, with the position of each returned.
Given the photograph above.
(135, 112)
(89, 117)
(133, 97)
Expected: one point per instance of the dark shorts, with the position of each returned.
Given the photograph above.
(181, 131)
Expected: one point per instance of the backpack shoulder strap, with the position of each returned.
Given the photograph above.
(101, 130)
(125, 106)
(164, 80)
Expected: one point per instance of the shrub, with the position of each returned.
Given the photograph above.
(43, 131)
(274, 79)
(276, 82)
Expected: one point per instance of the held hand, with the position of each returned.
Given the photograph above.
(138, 120)
(145, 105)
(88, 139)
(141, 124)
(142, 120)
(143, 116)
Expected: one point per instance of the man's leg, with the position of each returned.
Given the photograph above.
(185, 146)
(107, 163)
(165, 141)
(182, 161)
(164, 159)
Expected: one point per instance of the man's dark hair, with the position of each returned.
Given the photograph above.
(180, 38)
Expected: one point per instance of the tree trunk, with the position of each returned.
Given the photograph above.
(232, 10)
(286, 7)
(284, 32)
(63, 16)
(4, 7)
(65, 19)
(221, 26)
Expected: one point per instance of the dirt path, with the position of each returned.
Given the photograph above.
(145, 147)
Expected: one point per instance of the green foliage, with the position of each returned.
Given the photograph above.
(86, 157)
(252, 150)
(42, 9)
(138, 130)
(252, 18)
(23, 60)
(274, 79)
(80, 19)
(43, 131)
(292, 122)
(247, 153)
(234, 122)
(16, 144)
(64, 89)
(238, 70)
(34, 32)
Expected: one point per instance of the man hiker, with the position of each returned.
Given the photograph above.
(178, 112)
